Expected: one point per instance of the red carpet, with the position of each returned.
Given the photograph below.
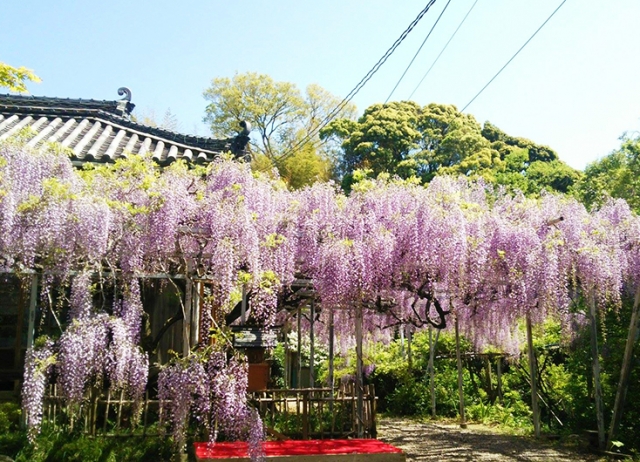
(295, 448)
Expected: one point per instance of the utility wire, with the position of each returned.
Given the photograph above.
(442, 51)
(335, 111)
(516, 54)
(417, 52)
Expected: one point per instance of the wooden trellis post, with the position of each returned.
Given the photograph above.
(533, 370)
(312, 340)
(331, 353)
(359, 381)
(33, 300)
(595, 364)
(299, 320)
(432, 377)
(499, 378)
(463, 419)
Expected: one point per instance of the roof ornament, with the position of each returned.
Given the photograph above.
(126, 92)
(125, 106)
(239, 143)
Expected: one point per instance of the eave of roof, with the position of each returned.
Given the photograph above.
(100, 131)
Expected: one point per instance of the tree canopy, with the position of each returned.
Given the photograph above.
(405, 139)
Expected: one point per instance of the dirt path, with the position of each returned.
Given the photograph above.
(444, 442)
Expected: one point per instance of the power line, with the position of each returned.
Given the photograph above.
(516, 54)
(334, 112)
(442, 51)
(417, 52)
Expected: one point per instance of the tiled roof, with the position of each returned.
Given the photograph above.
(101, 131)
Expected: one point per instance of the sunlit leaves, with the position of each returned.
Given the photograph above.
(16, 78)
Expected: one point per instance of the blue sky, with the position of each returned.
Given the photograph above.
(576, 86)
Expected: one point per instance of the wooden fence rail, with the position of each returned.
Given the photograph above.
(103, 413)
(287, 413)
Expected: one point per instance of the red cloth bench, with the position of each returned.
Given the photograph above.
(357, 450)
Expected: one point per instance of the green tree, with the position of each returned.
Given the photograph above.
(278, 111)
(384, 139)
(407, 140)
(16, 78)
(284, 121)
(451, 137)
(616, 175)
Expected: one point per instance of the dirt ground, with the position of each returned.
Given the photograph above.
(448, 442)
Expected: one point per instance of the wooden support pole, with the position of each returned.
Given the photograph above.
(432, 374)
(299, 333)
(621, 394)
(409, 350)
(331, 353)
(312, 340)
(489, 379)
(287, 358)
(195, 315)
(243, 306)
(595, 365)
(463, 419)
(533, 371)
(359, 366)
(305, 414)
(499, 378)
(33, 301)
(186, 322)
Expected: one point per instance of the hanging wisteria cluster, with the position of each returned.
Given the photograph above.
(404, 253)
(212, 388)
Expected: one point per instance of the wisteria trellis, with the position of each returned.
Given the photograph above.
(406, 253)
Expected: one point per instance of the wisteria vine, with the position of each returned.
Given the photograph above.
(405, 253)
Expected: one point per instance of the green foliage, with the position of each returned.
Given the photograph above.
(512, 413)
(616, 175)
(503, 142)
(528, 166)
(55, 445)
(305, 167)
(16, 78)
(12, 439)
